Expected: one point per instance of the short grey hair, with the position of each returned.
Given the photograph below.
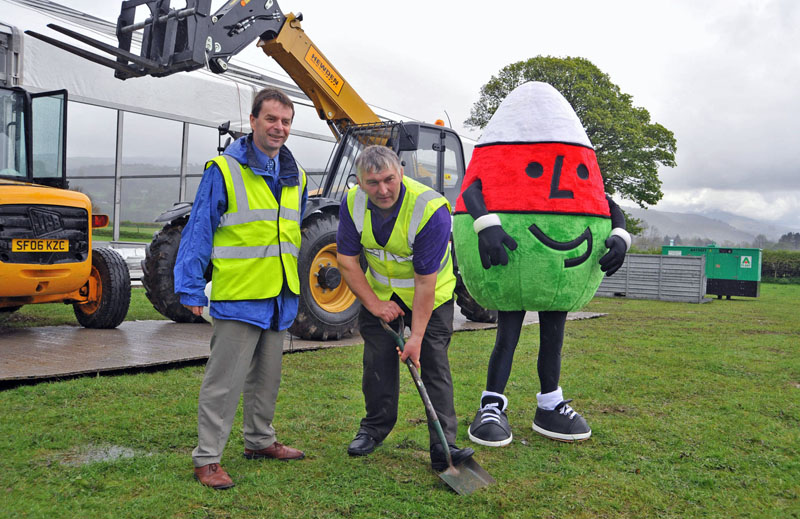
(377, 158)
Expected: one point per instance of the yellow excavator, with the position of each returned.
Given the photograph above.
(192, 37)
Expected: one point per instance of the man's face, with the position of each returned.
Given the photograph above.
(271, 127)
(382, 187)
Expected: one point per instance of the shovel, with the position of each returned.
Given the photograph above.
(468, 476)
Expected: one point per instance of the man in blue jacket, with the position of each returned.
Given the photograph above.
(246, 221)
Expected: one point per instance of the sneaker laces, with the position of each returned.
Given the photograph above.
(490, 413)
(566, 410)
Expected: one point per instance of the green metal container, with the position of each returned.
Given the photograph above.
(729, 271)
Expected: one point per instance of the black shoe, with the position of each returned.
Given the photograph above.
(490, 426)
(439, 459)
(562, 423)
(362, 445)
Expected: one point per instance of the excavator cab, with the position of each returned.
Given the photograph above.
(430, 154)
(33, 151)
(436, 158)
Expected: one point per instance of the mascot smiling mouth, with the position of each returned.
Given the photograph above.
(586, 236)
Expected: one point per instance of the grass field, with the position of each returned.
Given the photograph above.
(695, 411)
(128, 231)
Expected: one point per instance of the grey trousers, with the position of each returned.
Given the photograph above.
(380, 380)
(244, 359)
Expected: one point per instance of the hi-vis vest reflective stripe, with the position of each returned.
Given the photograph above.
(257, 241)
(390, 268)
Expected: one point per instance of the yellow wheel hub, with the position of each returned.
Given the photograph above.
(327, 287)
(95, 293)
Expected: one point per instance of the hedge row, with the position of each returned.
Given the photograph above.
(779, 264)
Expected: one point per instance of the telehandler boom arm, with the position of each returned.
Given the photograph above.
(192, 38)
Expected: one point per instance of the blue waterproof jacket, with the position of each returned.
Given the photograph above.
(194, 254)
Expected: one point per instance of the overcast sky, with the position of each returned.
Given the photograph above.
(723, 75)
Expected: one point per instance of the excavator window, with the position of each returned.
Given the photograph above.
(343, 160)
(429, 155)
(49, 137)
(13, 156)
(33, 136)
(344, 176)
(453, 168)
(421, 164)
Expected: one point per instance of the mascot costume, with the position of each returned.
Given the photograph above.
(534, 231)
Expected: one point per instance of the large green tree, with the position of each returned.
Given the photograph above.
(629, 147)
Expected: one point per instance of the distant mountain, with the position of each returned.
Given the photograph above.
(770, 230)
(719, 227)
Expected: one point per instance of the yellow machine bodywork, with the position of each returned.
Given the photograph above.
(29, 283)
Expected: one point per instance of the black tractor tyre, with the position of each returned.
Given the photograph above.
(328, 309)
(469, 307)
(157, 273)
(110, 273)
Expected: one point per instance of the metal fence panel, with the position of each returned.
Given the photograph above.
(665, 278)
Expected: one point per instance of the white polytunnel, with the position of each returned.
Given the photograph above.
(138, 146)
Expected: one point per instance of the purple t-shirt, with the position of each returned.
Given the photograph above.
(429, 245)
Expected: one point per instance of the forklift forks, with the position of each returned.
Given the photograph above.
(177, 40)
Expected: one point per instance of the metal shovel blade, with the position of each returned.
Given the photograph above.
(467, 477)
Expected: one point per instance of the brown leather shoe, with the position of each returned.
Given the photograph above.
(213, 476)
(276, 451)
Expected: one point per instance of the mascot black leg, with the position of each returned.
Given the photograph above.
(490, 426)
(551, 339)
(509, 326)
(554, 417)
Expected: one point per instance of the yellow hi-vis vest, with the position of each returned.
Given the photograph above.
(257, 241)
(390, 268)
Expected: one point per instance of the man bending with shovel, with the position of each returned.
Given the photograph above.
(403, 227)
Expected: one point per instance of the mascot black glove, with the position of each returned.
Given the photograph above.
(492, 243)
(613, 259)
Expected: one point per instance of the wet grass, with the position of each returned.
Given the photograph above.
(128, 231)
(695, 411)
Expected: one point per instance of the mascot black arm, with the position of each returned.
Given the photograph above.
(492, 240)
(617, 216)
(615, 257)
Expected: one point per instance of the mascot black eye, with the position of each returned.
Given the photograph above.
(583, 172)
(535, 170)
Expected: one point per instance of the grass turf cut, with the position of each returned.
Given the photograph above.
(695, 412)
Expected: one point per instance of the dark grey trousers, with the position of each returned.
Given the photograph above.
(380, 381)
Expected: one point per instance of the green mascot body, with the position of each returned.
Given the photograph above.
(550, 199)
(536, 277)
